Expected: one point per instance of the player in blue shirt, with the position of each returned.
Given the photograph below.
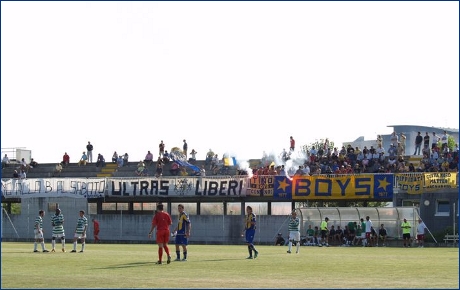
(182, 232)
(250, 229)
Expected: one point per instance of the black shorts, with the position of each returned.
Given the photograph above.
(406, 236)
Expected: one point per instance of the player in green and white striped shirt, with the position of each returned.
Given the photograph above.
(294, 232)
(80, 232)
(57, 221)
(38, 231)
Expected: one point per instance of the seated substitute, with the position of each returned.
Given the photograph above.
(382, 235)
(279, 240)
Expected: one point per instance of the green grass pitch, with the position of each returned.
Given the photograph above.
(216, 266)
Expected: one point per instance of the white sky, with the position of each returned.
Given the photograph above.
(237, 77)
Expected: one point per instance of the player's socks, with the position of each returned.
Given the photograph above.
(53, 244)
(82, 247)
(75, 246)
(35, 246)
(166, 249)
(290, 246)
(250, 251)
(185, 255)
(160, 253)
(297, 247)
(178, 255)
(43, 245)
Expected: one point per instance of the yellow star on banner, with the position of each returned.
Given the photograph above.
(383, 183)
(283, 184)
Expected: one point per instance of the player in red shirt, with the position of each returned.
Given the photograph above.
(161, 220)
(96, 230)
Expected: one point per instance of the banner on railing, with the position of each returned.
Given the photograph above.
(177, 186)
(437, 180)
(54, 187)
(363, 186)
(412, 183)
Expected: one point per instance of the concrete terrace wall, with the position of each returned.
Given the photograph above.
(206, 229)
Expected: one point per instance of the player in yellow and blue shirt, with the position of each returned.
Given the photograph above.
(250, 229)
(182, 232)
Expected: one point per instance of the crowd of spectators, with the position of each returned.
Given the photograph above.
(349, 160)
(323, 159)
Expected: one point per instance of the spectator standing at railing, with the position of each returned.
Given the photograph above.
(5, 161)
(381, 151)
(115, 157)
(159, 169)
(214, 162)
(379, 140)
(184, 148)
(418, 143)
(292, 144)
(89, 149)
(455, 152)
(313, 154)
(402, 141)
(399, 149)
(120, 161)
(444, 139)
(161, 148)
(394, 138)
(426, 142)
(193, 155)
(125, 159)
(434, 140)
(209, 157)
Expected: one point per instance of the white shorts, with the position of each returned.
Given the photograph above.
(363, 235)
(294, 236)
(38, 234)
(58, 235)
(80, 236)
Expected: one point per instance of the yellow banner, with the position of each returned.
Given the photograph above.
(437, 180)
(363, 186)
(413, 184)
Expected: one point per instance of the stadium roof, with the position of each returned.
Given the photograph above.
(451, 130)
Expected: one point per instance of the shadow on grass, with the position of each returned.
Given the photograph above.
(223, 260)
(136, 264)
